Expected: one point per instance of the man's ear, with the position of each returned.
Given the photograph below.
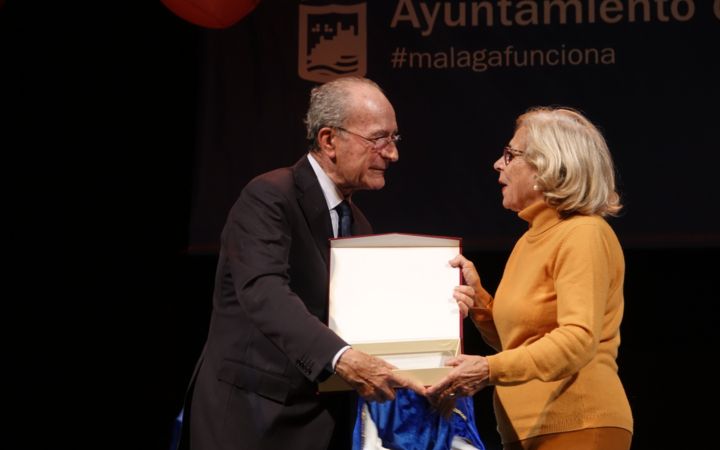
(326, 141)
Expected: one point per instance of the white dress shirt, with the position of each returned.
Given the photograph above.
(333, 197)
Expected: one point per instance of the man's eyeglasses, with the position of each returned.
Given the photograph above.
(378, 143)
(509, 153)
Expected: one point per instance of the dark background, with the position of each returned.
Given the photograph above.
(654, 104)
(108, 116)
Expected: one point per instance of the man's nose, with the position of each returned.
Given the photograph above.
(391, 152)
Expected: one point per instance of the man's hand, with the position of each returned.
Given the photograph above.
(372, 377)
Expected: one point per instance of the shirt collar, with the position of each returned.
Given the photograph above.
(332, 194)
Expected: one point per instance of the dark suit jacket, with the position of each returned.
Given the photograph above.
(255, 386)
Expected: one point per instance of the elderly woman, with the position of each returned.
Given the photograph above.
(555, 318)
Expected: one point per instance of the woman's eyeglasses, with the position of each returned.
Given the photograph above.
(509, 153)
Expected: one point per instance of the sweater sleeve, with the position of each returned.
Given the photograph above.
(581, 280)
(483, 320)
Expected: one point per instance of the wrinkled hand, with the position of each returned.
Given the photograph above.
(472, 293)
(465, 298)
(372, 377)
(470, 374)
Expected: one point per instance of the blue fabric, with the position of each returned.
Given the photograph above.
(410, 423)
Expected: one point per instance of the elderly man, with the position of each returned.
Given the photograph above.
(255, 386)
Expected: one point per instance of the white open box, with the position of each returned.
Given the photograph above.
(391, 296)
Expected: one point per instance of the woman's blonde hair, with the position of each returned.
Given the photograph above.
(575, 169)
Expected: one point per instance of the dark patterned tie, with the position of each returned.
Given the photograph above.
(345, 224)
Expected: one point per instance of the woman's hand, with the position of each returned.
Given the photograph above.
(465, 298)
(470, 374)
(471, 294)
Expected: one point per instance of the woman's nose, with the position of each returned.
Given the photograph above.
(499, 164)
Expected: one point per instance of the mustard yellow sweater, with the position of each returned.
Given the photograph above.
(555, 322)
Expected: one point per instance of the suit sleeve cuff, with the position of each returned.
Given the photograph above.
(337, 356)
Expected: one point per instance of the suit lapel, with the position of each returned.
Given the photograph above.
(313, 204)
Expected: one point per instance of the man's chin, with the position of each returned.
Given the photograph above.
(374, 185)
(371, 183)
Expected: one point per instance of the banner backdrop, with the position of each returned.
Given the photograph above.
(459, 73)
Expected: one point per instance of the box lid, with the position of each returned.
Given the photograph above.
(396, 240)
(394, 287)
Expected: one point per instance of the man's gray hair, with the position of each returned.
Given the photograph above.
(330, 104)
